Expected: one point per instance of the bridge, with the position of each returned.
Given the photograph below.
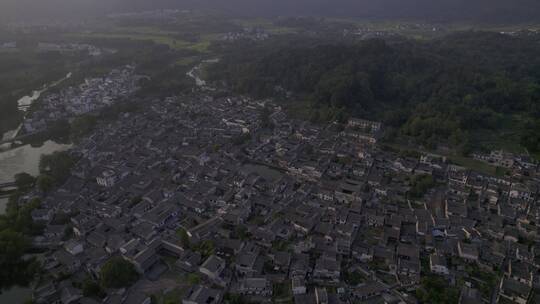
(18, 138)
(7, 188)
(8, 185)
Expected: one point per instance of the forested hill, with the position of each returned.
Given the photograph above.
(456, 89)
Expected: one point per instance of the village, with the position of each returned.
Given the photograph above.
(90, 96)
(211, 198)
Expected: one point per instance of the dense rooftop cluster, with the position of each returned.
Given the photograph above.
(225, 197)
(92, 95)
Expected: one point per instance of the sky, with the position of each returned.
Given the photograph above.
(442, 10)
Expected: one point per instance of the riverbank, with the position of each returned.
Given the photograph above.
(25, 102)
(24, 159)
(16, 295)
(196, 73)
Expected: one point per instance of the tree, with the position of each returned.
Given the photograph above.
(193, 278)
(421, 184)
(57, 165)
(206, 248)
(530, 139)
(233, 299)
(353, 278)
(18, 218)
(435, 290)
(82, 125)
(92, 289)
(118, 273)
(45, 182)
(264, 117)
(24, 180)
(241, 232)
(60, 131)
(184, 237)
(241, 139)
(433, 93)
(15, 270)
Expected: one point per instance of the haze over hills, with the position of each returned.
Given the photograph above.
(503, 11)
(235, 151)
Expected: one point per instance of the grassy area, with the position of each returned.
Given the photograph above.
(508, 140)
(187, 61)
(373, 235)
(477, 165)
(144, 30)
(156, 35)
(463, 161)
(387, 278)
(256, 220)
(266, 24)
(166, 40)
(485, 281)
(201, 47)
(354, 278)
(417, 205)
(172, 297)
(436, 289)
(282, 292)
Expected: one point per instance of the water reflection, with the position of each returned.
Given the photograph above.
(24, 159)
(16, 295)
(26, 101)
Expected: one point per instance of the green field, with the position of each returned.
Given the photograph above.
(463, 161)
(508, 140)
(169, 37)
(170, 41)
(477, 165)
(266, 24)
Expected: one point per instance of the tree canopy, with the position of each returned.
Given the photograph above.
(453, 90)
(55, 169)
(24, 180)
(15, 270)
(118, 273)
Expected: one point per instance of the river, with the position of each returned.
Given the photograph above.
(26, 101)
(196, 71)
(23, 159)
(16, 295)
